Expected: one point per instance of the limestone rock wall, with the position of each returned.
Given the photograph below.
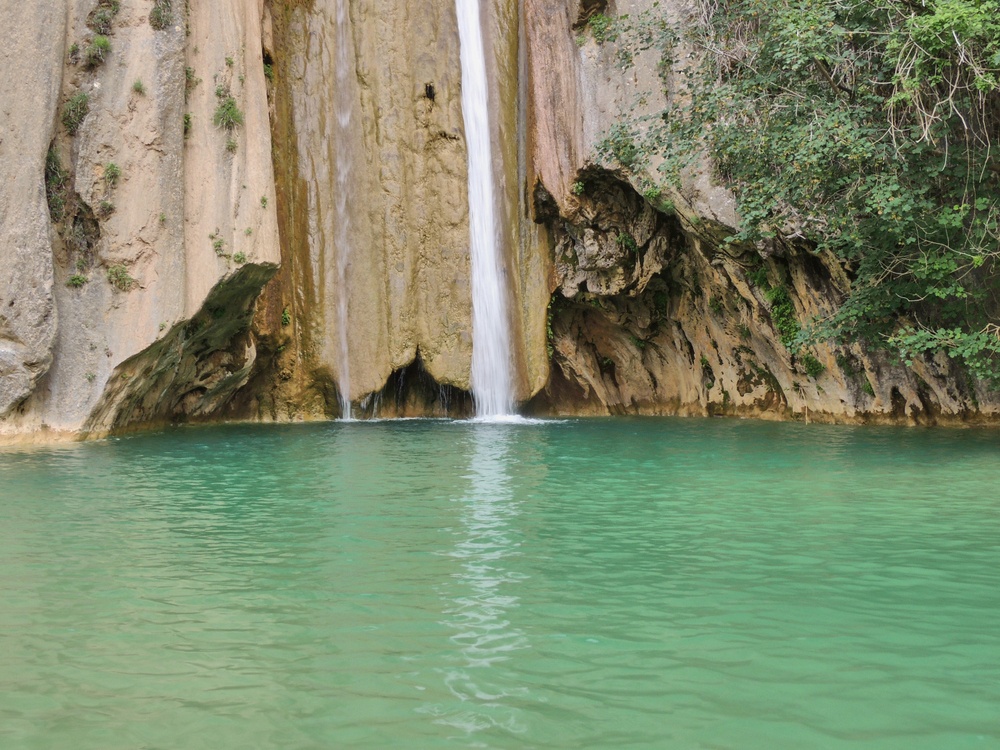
(28, 316)
(648, 314)
(151, 206)
(405, 252)
(174, 207)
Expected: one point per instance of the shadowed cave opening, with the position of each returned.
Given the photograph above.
(411, 391)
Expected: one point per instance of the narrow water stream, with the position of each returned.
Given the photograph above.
(492, 381)
(344, 115)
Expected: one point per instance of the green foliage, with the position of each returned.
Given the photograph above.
(190, 81)
(77, 280)
(101, 21)
(102, 18)
(231, 145)
(120, 279)
(112, 173)
(758, 277)
(603, 28)
(813, 367)
(161, 16)
(97, 51)
(862, 130)
(783, 315)
(979, 350)
(75, 111)
(716, 306)
(105, 209)
(637, 342)
(56, 186)
(578, 188)
(188, 123)
(218, 244)
(240, 258)
(620, 146)
(263, 201)
(138, 87)
(228, 114)
(286, 318)
(627, 243)
(229, 62)
(269, 71)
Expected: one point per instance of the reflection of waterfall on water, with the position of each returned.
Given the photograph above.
(343, 109)
(480, 598)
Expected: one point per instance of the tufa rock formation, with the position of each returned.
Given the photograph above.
(187, 184)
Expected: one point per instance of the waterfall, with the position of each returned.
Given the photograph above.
(492, 381)
(343, 110)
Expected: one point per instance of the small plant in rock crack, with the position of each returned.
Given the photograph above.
(105, 209)
(102, 20)
(240, 258)
(103, 16)
(161, 16)
(227, 114)
(218, 244)
(97, 51)
(138, 87)
(75, 111)
(190, 81)
(77, 280)
(112, 173)
(120, 279)
(57, 190)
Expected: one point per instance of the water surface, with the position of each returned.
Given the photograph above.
(432, 584)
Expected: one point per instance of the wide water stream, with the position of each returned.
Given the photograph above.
(433, 584)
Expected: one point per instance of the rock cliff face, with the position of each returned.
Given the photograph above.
(195, 193)
(153, 212)
(372, 194)
(649, 314)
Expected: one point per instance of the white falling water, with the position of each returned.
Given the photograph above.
(343, 109)
(492, 386)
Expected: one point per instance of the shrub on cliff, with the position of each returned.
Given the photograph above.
(861, 129)
(97, 51)
(75, 111)
(161, 16)
(228, 114)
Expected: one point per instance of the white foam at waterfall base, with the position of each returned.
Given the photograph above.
(492, 381)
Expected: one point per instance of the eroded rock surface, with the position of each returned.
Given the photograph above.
(29, 89)
(151, 204)
(649, 314)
